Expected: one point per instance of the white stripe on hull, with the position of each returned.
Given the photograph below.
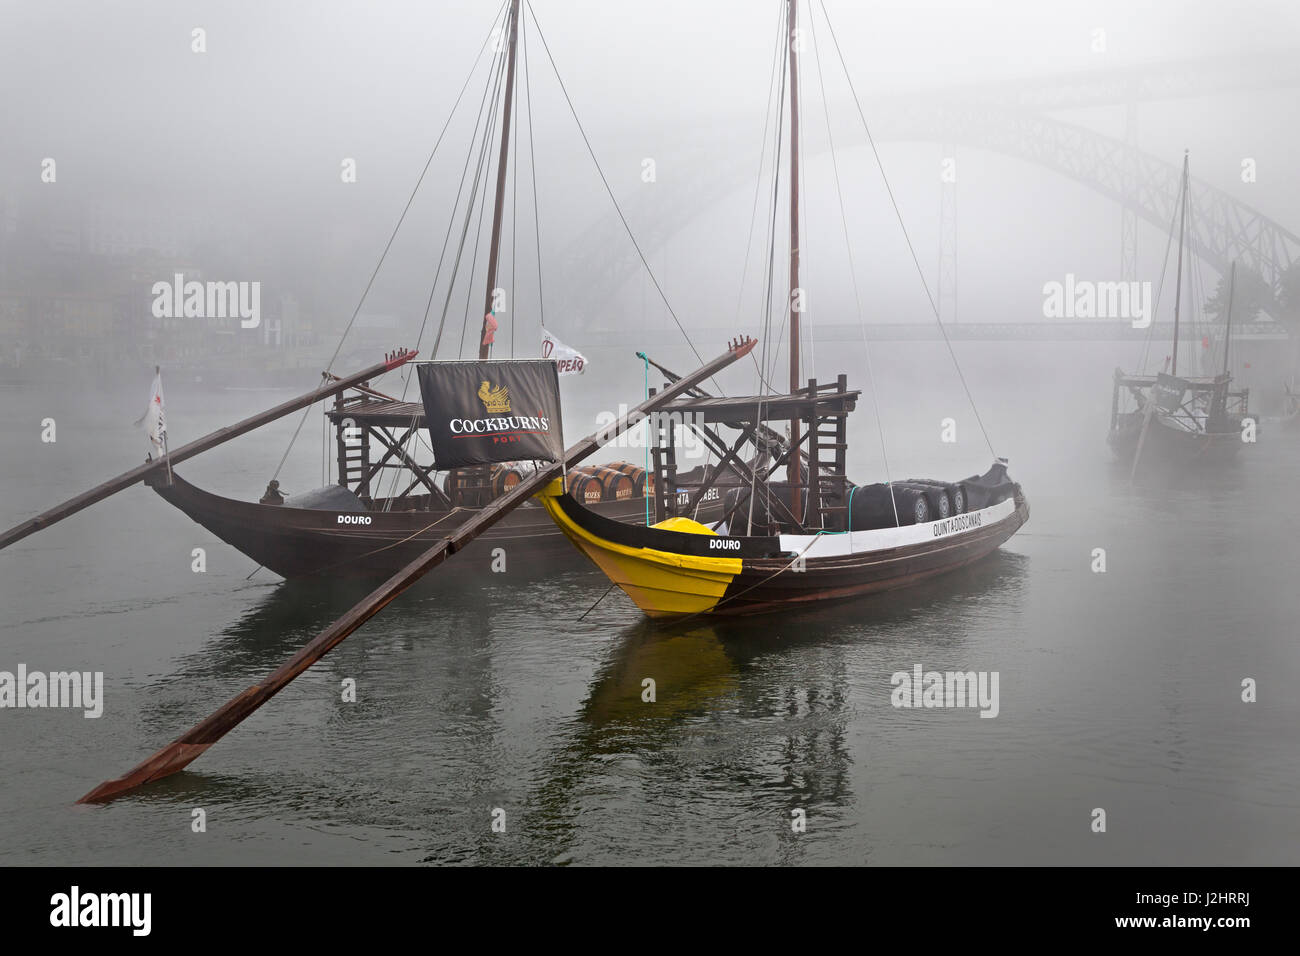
(837, 544)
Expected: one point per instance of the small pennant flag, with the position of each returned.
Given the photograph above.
(153, 419)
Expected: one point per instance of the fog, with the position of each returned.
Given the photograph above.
(237, 151)
(128, 158)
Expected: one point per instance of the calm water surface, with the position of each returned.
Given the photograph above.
(1118, 690)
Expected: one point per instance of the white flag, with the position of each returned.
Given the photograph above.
(155, 425)
(568, 361)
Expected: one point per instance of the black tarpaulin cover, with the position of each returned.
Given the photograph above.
(988, 489)
(329, 498)
(872, 508)
(481, 412)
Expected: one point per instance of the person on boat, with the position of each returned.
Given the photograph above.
(272, 496)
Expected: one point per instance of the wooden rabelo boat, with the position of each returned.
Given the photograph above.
(813, 537)
(1172, 421)
(680, 566)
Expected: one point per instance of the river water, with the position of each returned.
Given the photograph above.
(476, 692)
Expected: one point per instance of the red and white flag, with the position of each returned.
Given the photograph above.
(153, 419)
(567, 361)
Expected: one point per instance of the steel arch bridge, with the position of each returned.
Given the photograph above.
(1011, 118)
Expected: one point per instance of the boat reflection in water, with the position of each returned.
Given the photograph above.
(464, 706)
(747, 724)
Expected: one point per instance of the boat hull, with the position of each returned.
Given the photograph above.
(301, 542)
(668, 576)
(1168, 445)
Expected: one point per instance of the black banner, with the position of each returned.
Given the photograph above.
(480, 412)
(1168, 391)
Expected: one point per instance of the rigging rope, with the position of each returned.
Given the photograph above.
(478, 237)
(853, 277)
(1164, 269)
(532, 168)
(907, 238)
(387, 246)
(489, 88)
(605, 182)
(514, 231)
(764, 373)
(762, 164)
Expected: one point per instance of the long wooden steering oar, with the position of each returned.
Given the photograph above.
(180, 752)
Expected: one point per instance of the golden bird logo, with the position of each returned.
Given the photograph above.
(495, 400)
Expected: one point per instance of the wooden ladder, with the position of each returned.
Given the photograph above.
(828, 449)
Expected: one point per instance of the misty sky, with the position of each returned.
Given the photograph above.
(249, 136)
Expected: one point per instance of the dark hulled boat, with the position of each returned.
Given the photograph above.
(1181, 421)
(813, 537)
(342, 535)
(683, 567)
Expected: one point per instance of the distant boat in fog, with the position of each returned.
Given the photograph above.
(1180, 421)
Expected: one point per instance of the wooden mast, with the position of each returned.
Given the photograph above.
(503, 159)
(1178, 288)
(793, 466)
(1227, 330)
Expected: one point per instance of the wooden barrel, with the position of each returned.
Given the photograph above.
(634, 472)
(618, 486)
(585, 485)
(504, 478)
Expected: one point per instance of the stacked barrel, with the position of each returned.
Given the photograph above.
(592, 483)
(643, 482)
(616, 481)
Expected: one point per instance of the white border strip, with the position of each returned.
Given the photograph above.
(831, 545)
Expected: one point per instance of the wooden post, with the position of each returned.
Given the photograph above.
(1178, 286)
(503, 160)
